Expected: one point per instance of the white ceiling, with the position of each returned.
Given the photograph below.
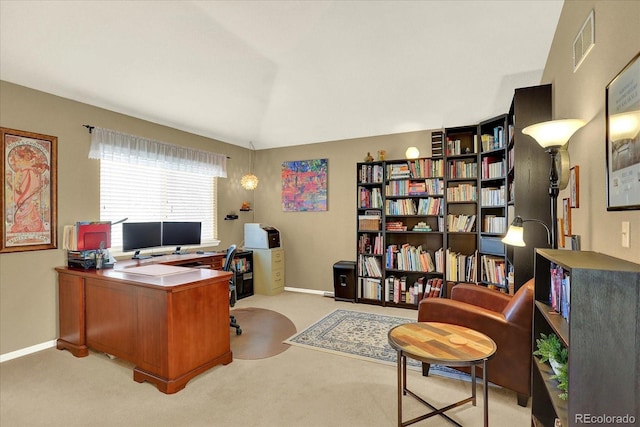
(282, 73)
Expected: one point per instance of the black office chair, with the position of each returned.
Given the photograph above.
(233, 293)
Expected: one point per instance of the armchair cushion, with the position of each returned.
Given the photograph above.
(506, 319)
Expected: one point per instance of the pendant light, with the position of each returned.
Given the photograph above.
(250, 181)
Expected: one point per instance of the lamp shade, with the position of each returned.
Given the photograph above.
(249, 181)
(412, 153)
(554, 133)
(515, 236)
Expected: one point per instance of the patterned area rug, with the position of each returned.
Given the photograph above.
(363, 336)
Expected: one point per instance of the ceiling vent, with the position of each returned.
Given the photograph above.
(584, 41)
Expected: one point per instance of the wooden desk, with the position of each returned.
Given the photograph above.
(172, 327)
(444, 344)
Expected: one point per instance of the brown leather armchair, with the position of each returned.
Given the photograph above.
(504, 318)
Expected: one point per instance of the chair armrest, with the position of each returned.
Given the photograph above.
(458, 313)
(480, 296)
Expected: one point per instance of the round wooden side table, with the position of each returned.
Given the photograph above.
(442, 344)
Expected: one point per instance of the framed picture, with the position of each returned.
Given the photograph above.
(560, 232)
(566, 209)
(28, 191)
(304, 185)
(623, 138)
(574, 186)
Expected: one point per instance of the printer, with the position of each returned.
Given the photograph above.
(260, 236)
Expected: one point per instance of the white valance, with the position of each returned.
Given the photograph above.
(108, 144)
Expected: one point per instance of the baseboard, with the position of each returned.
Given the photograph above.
(305, 291)
(26, 351)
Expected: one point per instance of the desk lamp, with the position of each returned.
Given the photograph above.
(552, 136)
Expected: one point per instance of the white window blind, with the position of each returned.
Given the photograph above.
(143, 193)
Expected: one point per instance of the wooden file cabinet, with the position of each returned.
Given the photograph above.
(268, 271)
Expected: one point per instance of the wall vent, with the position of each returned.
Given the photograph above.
(584, 41)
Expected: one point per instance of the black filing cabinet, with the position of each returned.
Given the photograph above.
(243, 267)
(344, 281)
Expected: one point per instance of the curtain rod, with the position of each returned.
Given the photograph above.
(92, 127)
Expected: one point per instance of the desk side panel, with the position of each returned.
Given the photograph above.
(111, 318)
(71, 315)
(199, 327)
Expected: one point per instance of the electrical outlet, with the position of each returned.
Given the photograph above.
(625, 234)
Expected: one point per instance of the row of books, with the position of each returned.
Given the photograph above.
(369, 266)
(398, 171)
(426, 168)
(370, 288)
(461, 267)
(456, 147)
(370, 198)
(495, 141)
(371, 174)
(420, 226)
(492, 168)
(460, 223)
(492, 196)
(398, 290)
(241, 265)
(400, 207)
(493, 269)
(411, 258)
(462, 193)
(432, 187)
(494, 224)
(369, 245)
(560, 291)
(462, 169)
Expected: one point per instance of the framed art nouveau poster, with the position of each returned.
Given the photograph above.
(28, 191)
(623, 138)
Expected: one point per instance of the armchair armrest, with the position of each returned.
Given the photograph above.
(459, 313)
(480, 297)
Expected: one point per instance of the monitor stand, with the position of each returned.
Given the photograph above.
(178, 251)
(137, 255)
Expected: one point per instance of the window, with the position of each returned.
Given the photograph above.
(144, 193)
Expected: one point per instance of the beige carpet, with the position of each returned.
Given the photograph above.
(298, 387)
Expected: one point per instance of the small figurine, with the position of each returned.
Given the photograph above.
(245, 206)
(382, 154)
(369, 157)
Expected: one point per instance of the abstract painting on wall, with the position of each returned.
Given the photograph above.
(304, 185)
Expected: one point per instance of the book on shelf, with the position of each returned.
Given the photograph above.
(371, 174)
(461, 267)
(460, 223)
(371, 288)
(560, 291)
(493, 270)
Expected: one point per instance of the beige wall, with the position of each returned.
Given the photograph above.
(28, 299)
(313, 240)
(582, 95)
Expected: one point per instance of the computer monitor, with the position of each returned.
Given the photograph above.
(181, 233)
(141, 235)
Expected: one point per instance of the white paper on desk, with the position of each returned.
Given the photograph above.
(157, 270)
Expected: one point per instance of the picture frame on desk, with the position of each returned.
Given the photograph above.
(28, 191)
(623, 138)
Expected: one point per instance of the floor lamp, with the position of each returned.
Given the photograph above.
(552, 136)
(515, 234)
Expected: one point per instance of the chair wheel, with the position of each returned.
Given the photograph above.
(238, 331)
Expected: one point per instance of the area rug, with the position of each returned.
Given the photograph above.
(263, 332)
(363, 336)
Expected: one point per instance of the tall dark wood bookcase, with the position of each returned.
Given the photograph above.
(528, 178)
(491, 173)
(601, 335)
(494, 135)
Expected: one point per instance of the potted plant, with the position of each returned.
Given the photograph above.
(563, 381)
(550, 349)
